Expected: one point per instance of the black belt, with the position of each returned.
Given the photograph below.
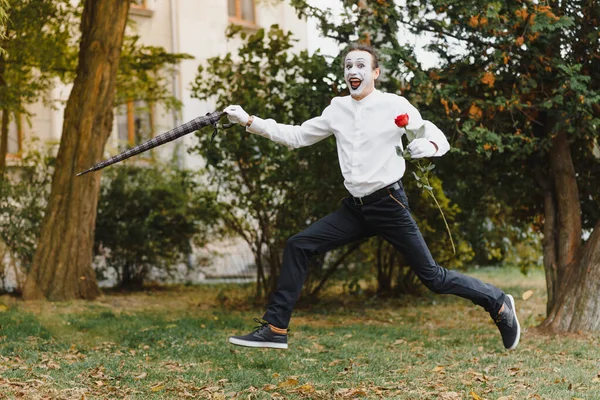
(376, 195)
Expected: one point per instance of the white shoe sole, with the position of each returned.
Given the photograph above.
(512, 303)
(246, 343)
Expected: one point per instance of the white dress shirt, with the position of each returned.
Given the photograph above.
(366, 137)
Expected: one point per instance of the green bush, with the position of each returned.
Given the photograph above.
(24, 191)
(149, 217)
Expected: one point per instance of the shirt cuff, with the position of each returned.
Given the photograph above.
(257, 126)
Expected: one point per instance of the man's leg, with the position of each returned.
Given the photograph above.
(341, 227)
(391, 219)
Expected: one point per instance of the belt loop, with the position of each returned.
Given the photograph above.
(390, 189)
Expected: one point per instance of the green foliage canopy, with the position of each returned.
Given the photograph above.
(145, 72)
(39, 46)
(514, 75)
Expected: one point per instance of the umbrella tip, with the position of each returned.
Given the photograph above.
(84, 172)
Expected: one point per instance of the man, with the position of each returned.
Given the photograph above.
(367, 130)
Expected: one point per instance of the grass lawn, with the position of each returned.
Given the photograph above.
(171, 343)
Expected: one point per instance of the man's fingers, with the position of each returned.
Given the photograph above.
(414, 149)
(231, 109)
(420, 148)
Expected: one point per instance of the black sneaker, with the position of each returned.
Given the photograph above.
(508, 324)
(262, 336)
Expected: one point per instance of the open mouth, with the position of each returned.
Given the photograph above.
(354, 83)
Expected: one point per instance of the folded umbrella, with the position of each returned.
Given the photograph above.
(189, 127)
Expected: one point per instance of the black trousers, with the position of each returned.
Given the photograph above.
(390, 218)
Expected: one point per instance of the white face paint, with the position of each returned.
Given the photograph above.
(359, 74)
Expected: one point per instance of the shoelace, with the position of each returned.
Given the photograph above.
(501, 317)
(261, 326)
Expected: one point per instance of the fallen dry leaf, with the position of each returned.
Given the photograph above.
(449, 396)
(305, 389)
(141, 376)
(288, 383)
(186, 394)
(269, 387)
(157, 388)
(318, 347)
(439, 368)
(350, 393)
(527, 294)
(475, 396)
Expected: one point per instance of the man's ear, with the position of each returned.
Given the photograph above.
(376, 72)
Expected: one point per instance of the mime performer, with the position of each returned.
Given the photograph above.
(366, 128)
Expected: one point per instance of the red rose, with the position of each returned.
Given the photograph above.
(401, 120)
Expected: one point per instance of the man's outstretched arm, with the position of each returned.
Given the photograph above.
(294, 136)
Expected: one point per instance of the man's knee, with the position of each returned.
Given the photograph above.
(300, 242)
(435, 282)
(296, 242)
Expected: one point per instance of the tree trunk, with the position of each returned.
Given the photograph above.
(4, 140)
(132, 278)
(572, 271)
(62, 266)
(5, 120)
(577, 304)
(385, 268)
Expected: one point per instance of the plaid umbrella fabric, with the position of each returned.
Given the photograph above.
(181, 130)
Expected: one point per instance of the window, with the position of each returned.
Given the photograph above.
(140, 8)
(242, 12)
(139, 3)
(15, 136)
(135, 125)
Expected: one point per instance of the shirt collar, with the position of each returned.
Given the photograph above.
(367, 99)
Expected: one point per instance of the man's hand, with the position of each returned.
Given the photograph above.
(421, 148)
(237, 115)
